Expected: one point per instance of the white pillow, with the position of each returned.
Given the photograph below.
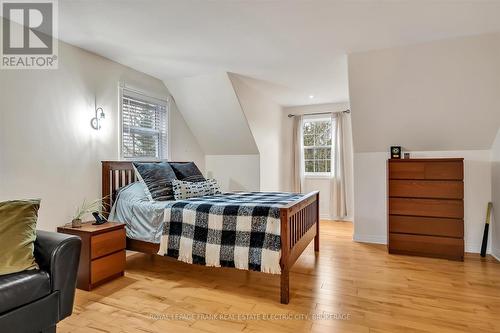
(185, 190)
(134, 192)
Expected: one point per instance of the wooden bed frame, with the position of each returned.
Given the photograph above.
(299, 221)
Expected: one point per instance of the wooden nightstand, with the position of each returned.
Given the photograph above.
(103, 252)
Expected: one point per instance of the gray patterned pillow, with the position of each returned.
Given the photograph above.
(157, 176)
(187, 171)
(186, 190)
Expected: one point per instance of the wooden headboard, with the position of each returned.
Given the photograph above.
(115, 175)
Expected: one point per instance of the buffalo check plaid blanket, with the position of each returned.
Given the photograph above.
(240, 230)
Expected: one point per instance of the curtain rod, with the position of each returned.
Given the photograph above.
(312, 114)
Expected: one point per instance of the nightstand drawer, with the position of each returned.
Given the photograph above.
(107, 243)
(107, 266)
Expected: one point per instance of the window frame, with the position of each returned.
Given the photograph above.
(164, 152)
(318, 175)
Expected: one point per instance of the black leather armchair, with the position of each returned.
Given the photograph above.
(35, 300)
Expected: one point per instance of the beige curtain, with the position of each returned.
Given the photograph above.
(338, 195)
(298, 152)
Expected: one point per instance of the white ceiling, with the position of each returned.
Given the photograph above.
(294, 48)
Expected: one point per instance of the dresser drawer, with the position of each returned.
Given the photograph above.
(106, 243)
(107, 266)
(406, 170)
(427, 207)
(452, 248)
(426, 226)
(435, 189)
(426, 170)
(444, 170)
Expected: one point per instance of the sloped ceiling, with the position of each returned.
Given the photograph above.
(430, 97)
(300, 46)
(266, 121)
(210, 106)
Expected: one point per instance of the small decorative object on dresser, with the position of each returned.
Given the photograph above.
(395, 152)
(76, 223)
(95, 206)
(407, 156)
(103, 252)
(426, 207)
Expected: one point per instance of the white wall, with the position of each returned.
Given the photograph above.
(436, 96)
(436, 99)
(266, 123)
(370, 188)
(183, 145)
(321, 184)
(48, 149)
(495, 174)
(370, 202)
(234, 172)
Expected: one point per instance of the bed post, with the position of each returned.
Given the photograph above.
(106, 195)
(285, 252)
(316, 238)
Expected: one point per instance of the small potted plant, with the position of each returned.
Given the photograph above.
(86, 208)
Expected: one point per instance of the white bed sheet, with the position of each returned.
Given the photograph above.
(143, 218)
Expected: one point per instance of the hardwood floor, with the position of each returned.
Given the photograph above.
(363, 287)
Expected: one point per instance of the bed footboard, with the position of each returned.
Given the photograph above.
(299, 226)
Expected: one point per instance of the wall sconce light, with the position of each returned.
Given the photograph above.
(97, 120)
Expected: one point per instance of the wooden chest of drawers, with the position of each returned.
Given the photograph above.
(426, 208)
(103, 253)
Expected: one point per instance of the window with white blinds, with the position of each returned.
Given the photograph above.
(144, 126)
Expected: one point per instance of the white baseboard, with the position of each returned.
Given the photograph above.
(495, 255)
(475, 248)
(374, 239)
(331, 218)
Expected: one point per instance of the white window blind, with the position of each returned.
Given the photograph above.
(144, 126)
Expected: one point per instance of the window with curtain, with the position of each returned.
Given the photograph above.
(144, 126)
(317, 143)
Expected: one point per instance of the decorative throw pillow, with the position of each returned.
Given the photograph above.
(186, 190)
(17, 235)
(187, 171)
(157, 177)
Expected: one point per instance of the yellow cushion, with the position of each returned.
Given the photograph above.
(17, 235)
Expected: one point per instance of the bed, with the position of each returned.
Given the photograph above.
(298, 221)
